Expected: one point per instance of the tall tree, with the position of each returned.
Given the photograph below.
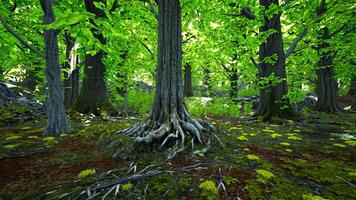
(169, 119)
(57, 119)
(326, 84)
(93, 96)
(272, 66)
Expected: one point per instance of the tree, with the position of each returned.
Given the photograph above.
(169, 119)
(57, 119)
(93, 96)
(272, 66)
(326, 84)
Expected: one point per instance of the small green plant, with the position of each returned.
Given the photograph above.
(253, 157)
(228, 180)
(11, 146)
(13, 137)
(126, 187)
(208, 190)
(264, 175)
(49, 142)
(86, 173)
(242, 138)
(285, 144)
(312, 197)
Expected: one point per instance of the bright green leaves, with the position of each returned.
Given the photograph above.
(68, 19)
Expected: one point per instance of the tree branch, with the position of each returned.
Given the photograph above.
(115, 5)
(223, 65)
(148, 49)
(152, 7)
(295, 42)
(23, 41)
(256, 64)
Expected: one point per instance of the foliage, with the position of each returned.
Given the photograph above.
(86, 173)
(264, 175)
(208, 189)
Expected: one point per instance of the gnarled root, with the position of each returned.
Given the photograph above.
(172, 132)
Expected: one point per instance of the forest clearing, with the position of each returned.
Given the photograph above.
(177, 99)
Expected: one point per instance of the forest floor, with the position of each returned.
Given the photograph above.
(310, 159)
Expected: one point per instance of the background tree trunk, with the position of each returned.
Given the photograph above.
(71, 74)
(326, 84)
(57, 119)
(206, 87)
(93, 97)
(352, 90)
(234, 87)
(271, 103)
(188, 86)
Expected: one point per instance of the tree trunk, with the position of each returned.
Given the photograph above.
(327, 85)
(272, 104)
(234, 87)
(169, 122)
(188, 87)
(31, 80)
(352, 90)
(57, 119)
(71, 74)
(93, 97)
(206, 87)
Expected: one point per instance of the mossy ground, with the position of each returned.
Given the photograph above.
(293, 160)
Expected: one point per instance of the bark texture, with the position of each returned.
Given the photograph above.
(57, 119)
(93, 96)
(234, 84)
(271, 103)
(326, 84)
(71, 74)
(169, 122)
(188, 86)
(352, 90)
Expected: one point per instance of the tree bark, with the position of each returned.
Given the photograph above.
(188, 87)
(326, 84)
(71, 74)
(93, 97)
(169, 121)
(234, 87)
(206, 87)
(272, 105)
(352, 90)
(57, 119)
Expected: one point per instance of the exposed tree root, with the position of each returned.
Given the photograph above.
(173, 132)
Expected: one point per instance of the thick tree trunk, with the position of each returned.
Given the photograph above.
(327, 86)
(71, 74)
(57, 119)
(188, 86)
(169, 122)
(272, 104)
(93, 96)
